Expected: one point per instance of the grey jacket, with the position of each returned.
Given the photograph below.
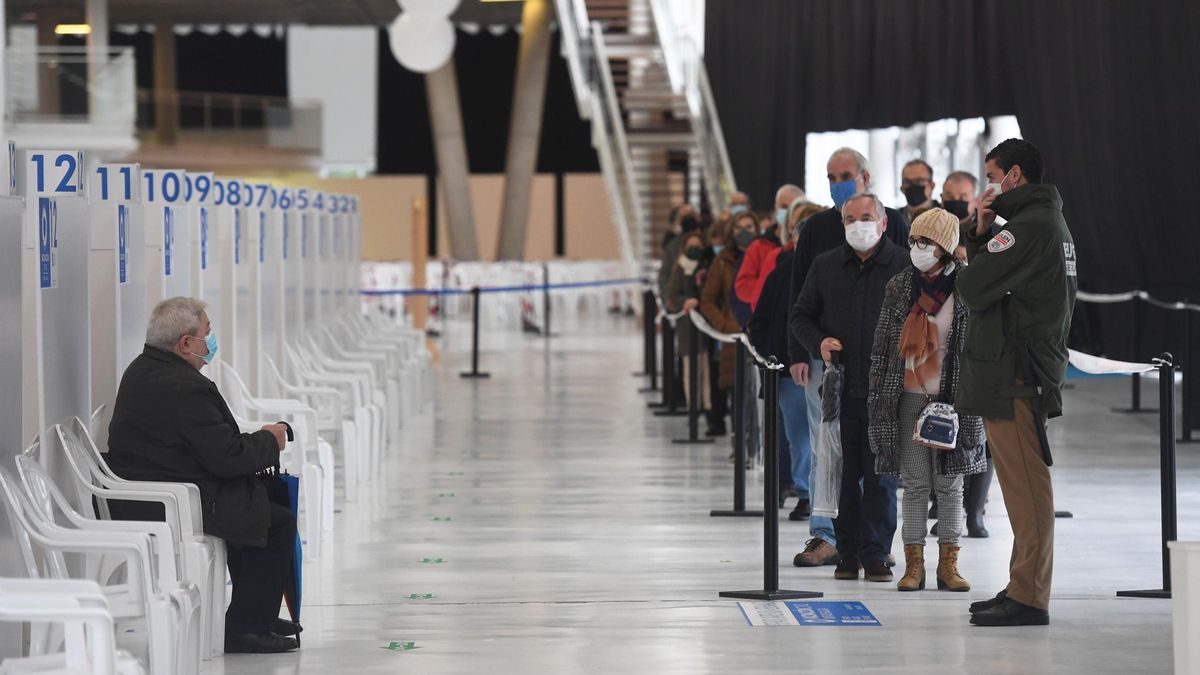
(887, 382)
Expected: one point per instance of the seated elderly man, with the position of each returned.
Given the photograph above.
(170, 423)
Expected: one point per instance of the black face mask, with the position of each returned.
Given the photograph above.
(689, 223)
(744, 238)
(959, 207)
(914, 195)
(694, 252)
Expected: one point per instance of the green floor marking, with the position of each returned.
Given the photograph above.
(401, 646)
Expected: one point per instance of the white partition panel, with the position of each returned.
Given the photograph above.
(321, 263)
(272, 283)
(56, 238)
(293, 269)
(14, 424)
(117, 279)
(197, 200)
(310, 268)
(226, 243)
(248, 358)
(169, 248)
(354, 257)
(12, 403)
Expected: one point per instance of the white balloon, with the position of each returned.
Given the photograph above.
(421, 43)
(439, 8)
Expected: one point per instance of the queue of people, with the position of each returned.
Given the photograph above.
(951, 330)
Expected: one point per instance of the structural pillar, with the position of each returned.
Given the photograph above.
(449, 143)
(526, 127)
(48, 77)
(97, 47)
(166, 112)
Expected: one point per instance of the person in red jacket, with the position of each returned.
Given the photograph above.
(750, 277)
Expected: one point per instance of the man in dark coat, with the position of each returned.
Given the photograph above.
(171, 424)
(836, 311)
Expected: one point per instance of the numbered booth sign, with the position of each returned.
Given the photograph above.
(168, 240)
(56, 217)
(118, 274)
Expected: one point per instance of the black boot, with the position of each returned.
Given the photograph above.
(975, 494)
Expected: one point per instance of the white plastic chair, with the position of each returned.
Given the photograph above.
(368, 417)
(316, 479)
(170, 641)
(331, 405)
(79, 608)
(201, 557)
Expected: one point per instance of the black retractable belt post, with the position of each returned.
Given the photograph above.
(1190, 373)
(546, 299)
(670, 402)
(770, 589)
(693, 412)
(1166, 468)
(739, 440)
(649, 351)
(475, 338)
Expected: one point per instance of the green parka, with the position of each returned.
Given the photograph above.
(1020, 287)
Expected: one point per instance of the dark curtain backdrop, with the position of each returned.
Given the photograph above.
(222, 63)
(485, 65)
(1108, 90)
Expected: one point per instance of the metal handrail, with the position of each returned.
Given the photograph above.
(608, 92)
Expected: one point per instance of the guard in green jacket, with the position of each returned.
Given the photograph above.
(1020, 287)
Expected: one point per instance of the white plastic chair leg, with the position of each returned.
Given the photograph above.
(325, 459)
(310, 492)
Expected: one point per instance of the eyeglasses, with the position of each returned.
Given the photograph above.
(921, 244)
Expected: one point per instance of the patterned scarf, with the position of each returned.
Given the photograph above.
(919, 338)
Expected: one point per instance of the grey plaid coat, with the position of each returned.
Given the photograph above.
(887, 382)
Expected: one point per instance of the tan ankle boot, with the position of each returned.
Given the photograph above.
(914, 568)
(948, 578)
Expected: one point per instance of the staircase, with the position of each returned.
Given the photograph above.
(654, 124)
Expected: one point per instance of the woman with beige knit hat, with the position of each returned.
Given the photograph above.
(914, 362)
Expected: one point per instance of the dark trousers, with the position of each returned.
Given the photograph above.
(260, 574)
(866, 522)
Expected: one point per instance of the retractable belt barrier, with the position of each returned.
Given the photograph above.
(476, 293)
(1191, 372)
(771, 369)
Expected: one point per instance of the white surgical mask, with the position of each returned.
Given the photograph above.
(995, 187)
(924, 259)
(863, 235)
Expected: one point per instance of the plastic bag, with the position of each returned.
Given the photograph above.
(826, 488)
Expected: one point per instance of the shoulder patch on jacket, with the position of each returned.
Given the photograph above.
(1001, 242)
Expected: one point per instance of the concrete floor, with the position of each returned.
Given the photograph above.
(579, 541)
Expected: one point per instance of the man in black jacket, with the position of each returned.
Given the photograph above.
(836, 311)
(171, 424)
(848, 173)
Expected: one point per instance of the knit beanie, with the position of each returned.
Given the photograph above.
(939, 226)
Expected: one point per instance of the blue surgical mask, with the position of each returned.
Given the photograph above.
(210, 341)
(717, 248)
(781, 216)
(737, 209)
(841, 191)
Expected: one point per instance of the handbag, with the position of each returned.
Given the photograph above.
(937, 425)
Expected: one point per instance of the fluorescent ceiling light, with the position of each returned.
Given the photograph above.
(72, 29)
